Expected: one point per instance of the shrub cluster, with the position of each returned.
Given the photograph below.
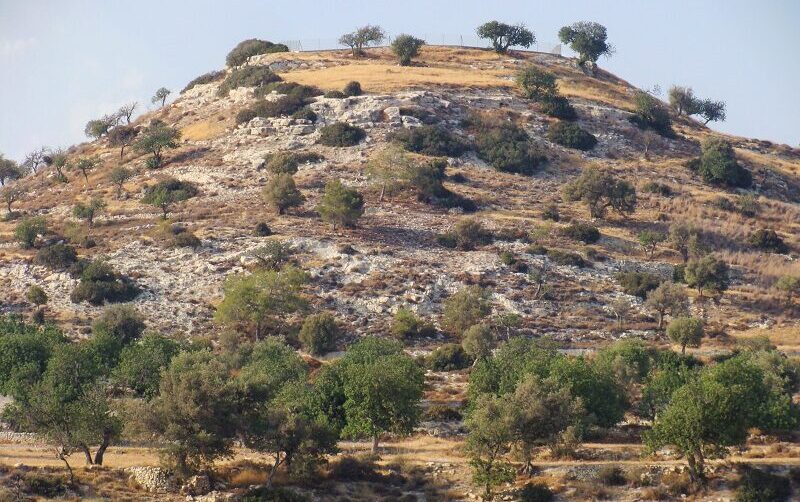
(638, 283)
(288, 88)
(466, 235)
(565, 258)
(505, 146)
(430, 140)
(584, 232)
(341, 134)
(448, 357)
(100, 283)
(284, 106)
(717, 165)
(407, 325)
(58, 256)
(287, 162)
(252, 47)
(571, 136)
(768, 240)
(205, 78)
(651, 113)
(247, 76)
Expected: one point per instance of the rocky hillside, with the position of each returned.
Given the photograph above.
(393, 258)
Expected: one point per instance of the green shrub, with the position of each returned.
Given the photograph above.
(611, 475)
(536, 249)
(441, 413)
(447, 240)
(558, 107)
(506, 146)
(58, 256)
(652, 113)
(768, 240)
(423, 115)
(247, 76)
(658, 188)
(319, 333)
(407, 325)
(448, 357)
(340, 205)
(537, 84)
(469, 234)
(262, 230)
(757, 485)
(305, 113)
(205, 78)
(718, 165)
(566, 258)
(28, 229)
(290, 89)
(167, 192)
(571, 136)
(281, 107)
(43, 485)
(584, 232)
(282, 193)
(638, 283)
(334, 94)
(535, 492)
(252, 47)
(352, 89)
(550, 212)
(406, 47)
(341, 134)
(430, 140)
(179, 237)
(99, 283)
(466, 308)
(287, 162)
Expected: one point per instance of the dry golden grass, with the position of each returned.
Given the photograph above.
(203, 130)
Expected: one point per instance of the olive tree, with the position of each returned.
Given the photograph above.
(708, 275)
(712, 111)
(97, 128)
(281, 193)
(681, 236)
(682, 100)
(165, 194)
(154, 139)
(789, 285)
(537, 84)
(10, 195)
(504, 35)
(29, 229)
(119, 175)
(319, 333)
(667, 298)
(588, 39)
(649, 240)
(160, 96)
(35, 159)
(253, 303)
(9, 170)
(86, 164)
(88, 211)
(122, 137)
(363, 37)
(601, 190)
(490, 434)
(406, 47)
(466, 308)
(686, 331)
(127, 111)
(340, 205)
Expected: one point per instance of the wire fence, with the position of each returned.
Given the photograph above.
(323, 44)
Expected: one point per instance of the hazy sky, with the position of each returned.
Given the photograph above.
(64, 62)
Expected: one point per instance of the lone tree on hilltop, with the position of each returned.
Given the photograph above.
(341, 205)
(161, 96)
(363, 37)
(406, 47)
(504, 35)
(588, 39)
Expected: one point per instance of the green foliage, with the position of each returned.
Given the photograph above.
(274, 255)
(160, 96)
(363, 37)
(58, 256)
(29, 229)
(601, 190)
(319, 333)
(36, 295)
(340, 205)
(470, 233)
(602, 396)
(122, 323)
(712, 111)
(503, 35)
(758, 485)
(466, 308)
(205, 78)
(251, 47)
(491, 432)
(686, 332)
(638, 283)
(628, 361)
(660, 384)
(789, 285)
(86, 164)
(558, 107)
(767, 240)
(448, 357)
(535, 492)
(657, 188)
(155, 139)
(505, 146)
(100, 283)
(478, 341)
(192, 412)
(97, 128)
(667, 298)
(141, 363)
(168, 192)
(247, 76)
(571, 136)
(119, 175)
(88, 211)
(281, 193)
(293, 89)
(584, 232)
(718, 165)
(406, 47)
(708, 275)
(24, 352)
(254, 303)
(287, 162)
(566, 258)
(537, 84)
(334, 94)
(284, 106)
(430, 140)
(588, 39)
(341, 134)
(683, 101)
(650, 113)
(649, 240)
(406, 325)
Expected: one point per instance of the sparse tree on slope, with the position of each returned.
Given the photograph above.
(340, 205)
(127, 111)
(11, 194)
(588, 39)
(122, 137)
(9, 170)
(88, 211)
(86, 164)
(119, 175)
(668, 298)
(600, 190)
(161, 96)
(363, 37)
(406, 47)
(686, 331)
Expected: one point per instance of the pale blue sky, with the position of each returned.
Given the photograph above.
(64, 62)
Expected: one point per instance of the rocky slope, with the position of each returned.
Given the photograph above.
(396, 260)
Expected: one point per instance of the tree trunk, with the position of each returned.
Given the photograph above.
(274, 469)
(87, 454)
(122, 151)
(98, 456)
(63, 458)
(660, 320)
(375, 444)
(383, 191)
(683, 349)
